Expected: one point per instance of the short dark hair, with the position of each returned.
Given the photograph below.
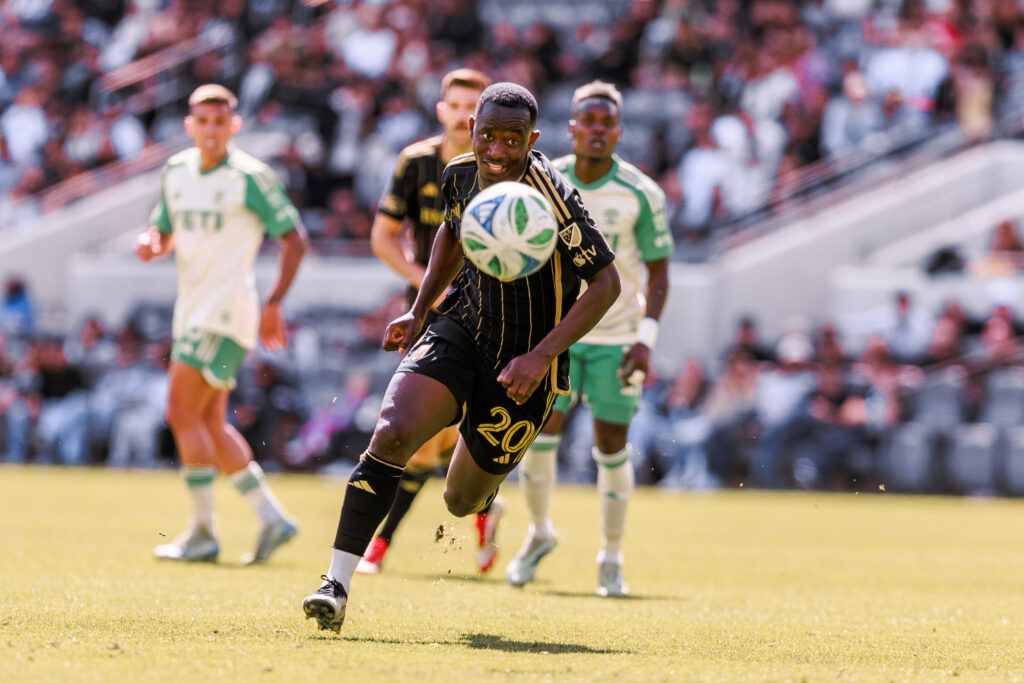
(510, 95)
(599, 89)
(464, 78)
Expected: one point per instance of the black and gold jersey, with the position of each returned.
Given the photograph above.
(414, 192)
(507, 319)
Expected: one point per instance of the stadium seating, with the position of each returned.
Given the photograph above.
(971, 462)
(1004, 397)
(908, 459)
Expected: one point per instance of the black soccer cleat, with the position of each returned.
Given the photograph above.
(327, 605)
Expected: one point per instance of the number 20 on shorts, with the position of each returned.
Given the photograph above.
(514, 437)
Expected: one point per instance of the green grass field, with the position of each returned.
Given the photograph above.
(727, 587)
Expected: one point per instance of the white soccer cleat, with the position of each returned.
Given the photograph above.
(196, 544)
(327, 605)
(610, 583)
(521, 569)
(272, 536)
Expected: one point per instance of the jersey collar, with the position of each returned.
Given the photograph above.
(597, 183)
(208, 171)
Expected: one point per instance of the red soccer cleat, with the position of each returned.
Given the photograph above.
(370, 564)
(487, 532)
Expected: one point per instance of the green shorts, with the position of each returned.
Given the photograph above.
(594, 370)
(217, 357)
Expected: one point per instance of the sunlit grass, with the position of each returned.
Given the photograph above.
(732, 586)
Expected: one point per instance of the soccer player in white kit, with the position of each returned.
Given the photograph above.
(217, 204)
(609, 363)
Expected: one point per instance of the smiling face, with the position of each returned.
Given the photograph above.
(211, 125)
(595, 129)
(502, 140)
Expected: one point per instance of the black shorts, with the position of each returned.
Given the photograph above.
(496, 430)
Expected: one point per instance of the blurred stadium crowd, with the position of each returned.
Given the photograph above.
(726, 103)
(914, 401)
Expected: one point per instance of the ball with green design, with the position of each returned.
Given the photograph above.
(509, 231)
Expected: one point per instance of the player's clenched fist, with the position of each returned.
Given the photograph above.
(400, 332)
(148, 245)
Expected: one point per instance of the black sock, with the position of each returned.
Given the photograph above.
(368, 497)
(487, 504)
(408, 488)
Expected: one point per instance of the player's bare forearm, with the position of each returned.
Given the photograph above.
(445, 262)
(386, 242)
(523, 374)
(657, 288)
(602, 290)
(637, 359)
(295, 247)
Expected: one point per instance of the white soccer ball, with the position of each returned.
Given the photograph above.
(509, 230)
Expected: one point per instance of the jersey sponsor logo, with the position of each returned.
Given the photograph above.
(429, 190)
(363, 486)
(611, 217)
(197, 219)
(571, 236)
(585, 255)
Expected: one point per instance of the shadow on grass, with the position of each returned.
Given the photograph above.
(593, 594)
(483, 641)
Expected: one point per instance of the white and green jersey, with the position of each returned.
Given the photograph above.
(629, 208)
(219, 218)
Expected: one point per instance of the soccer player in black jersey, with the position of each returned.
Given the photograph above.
(414, 195)
(497, 356)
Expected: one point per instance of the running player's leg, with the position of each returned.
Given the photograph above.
(538, 474)
(613, 406)
(415, 408)
(188, 396)
(416, 474)
(468, 488)
(234, 458)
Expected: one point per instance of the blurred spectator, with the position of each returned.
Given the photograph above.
(1005, 254)
(780, 402)
(17, 314)
(747, 339)
(700, 177)
(850, 118)
(93, 351)
(837, 420)
(729, 410)
(56, 402)
(139, 424)
(268, 409)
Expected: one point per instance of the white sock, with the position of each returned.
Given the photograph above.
(538, 473)
(343, 566)
(199, 482)
(614, 485)
(252, 484)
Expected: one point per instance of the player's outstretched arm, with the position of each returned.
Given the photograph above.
(273, 333)
(523, 374)
(153, 244)
(637, 359)
(386, 241)
(445, 262)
